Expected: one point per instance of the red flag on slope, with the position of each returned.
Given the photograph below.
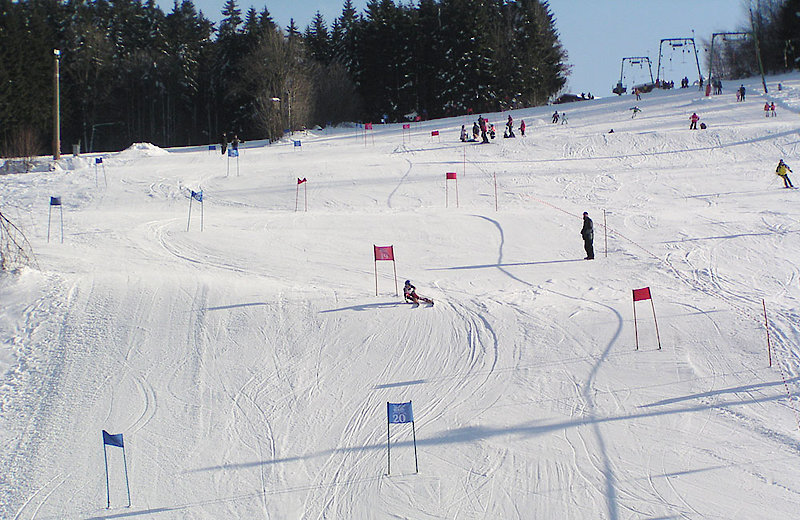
(384, 252)
(641, 294)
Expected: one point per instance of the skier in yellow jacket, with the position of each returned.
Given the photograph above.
(783, 171)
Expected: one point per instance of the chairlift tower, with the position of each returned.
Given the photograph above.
(632, 60)
(726, 37)
(676, 43)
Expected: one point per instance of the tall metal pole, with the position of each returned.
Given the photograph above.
(56, 108)
(758, 52)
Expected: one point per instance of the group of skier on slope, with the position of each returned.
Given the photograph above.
(486, 130)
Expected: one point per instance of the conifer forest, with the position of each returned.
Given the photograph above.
(129, 72)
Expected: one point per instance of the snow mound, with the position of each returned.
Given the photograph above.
(143, 150)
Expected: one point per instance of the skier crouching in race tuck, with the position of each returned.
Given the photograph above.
(410, 293)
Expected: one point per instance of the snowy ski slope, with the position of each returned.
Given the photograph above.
(248, 365)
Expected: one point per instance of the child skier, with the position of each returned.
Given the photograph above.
(411, 296)
(783, 172)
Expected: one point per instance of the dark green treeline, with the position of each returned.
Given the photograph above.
(130, 72)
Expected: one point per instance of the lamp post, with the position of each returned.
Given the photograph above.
(289, 105)
(277, 104)
(56, 108)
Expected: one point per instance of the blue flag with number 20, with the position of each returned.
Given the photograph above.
(399, 412)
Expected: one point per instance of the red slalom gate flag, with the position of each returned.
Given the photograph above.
(434, 133)
(301, 181)
(451, 175)
(367, 126)
(384, 253)
(641, 294)
(406, 126)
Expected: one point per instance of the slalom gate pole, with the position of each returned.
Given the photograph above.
(465, 160)
(376, 277)
(202, 204)
(228, 170)
(49, 215)
(95, 176)
(108, 490)
(61, 208)
(766, 326)
(388, 444)
(394, 266)
(189, 220)
(456, 191)
(414, 433)
(635, 326)
(237, 165)
(496, 208)
(446, 197)
(125, 464)
(605, 232)
(105, 177)
(296, 198)
(656, 322)
(305, 195)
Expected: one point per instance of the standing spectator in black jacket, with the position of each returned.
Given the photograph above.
(587, 232)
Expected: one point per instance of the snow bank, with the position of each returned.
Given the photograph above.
(142, 150)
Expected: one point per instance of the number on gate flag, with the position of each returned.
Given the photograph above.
(400, 413)
(641, 294)
(384, 252)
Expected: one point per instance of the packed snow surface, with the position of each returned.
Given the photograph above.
(247, 360)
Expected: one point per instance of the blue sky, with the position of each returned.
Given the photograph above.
(597, 34)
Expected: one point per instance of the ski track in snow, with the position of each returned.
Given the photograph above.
(249, 364)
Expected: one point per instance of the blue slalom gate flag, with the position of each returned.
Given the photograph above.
(98, 160)
(197, 195)
(212, 147)
(233, 152)
(113, 440)
(297, 143)
(399, 413)
(55, 201)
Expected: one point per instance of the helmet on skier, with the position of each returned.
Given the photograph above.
(408, 282)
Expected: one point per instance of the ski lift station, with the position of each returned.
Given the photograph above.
(674, 54)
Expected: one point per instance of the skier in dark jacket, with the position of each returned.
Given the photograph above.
(587, 232)
(224, 143)
(484, 130)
